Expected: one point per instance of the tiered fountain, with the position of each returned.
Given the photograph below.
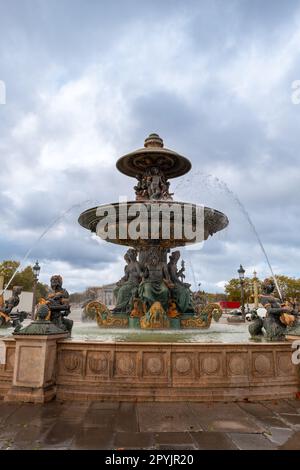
(143, 364)
(152, 293)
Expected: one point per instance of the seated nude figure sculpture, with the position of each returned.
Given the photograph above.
(127, 287)
(156, 280)
(7, 316)
(58, 304)
(180, 291)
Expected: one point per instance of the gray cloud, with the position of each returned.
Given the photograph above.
(87, 82)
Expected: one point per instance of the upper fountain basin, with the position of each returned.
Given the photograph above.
(145, 223)
(153, 154)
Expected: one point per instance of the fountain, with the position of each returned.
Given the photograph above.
(152, 294)
(155, 344)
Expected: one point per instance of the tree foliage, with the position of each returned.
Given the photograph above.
(289, 287)
(23, 278)
(233, 289)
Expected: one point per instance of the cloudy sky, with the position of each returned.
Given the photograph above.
(87, 81)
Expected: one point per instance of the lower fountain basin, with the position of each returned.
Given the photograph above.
(219, 365)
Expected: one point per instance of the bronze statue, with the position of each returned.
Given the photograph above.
(279, 316)
(180, 291)
(141, 189)
(156, 280)
(152, 185)
(127, 287)
(7, 316)
(58, 304)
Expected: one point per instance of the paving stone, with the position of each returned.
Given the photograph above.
(279, 406)
(292, 419)
(45, 447)
(104, 405)
(31, 436)
(92, 439)
(225, 417)
(175, 447)
(278, 435)
(166, 417)
(251, 441)
(104, 419)
(126, 418)
(8, 437)
(7, 409)
(256, 409)
(61, 434)
(174, 438)
(8, 432)
(74, 413)
(47, 413)
(295, 404)
(293, 443)
(133, 440)
(24, 414)
(273, 422)
(213, 441)
(2, 445)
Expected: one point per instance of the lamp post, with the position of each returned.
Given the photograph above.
(255, 289)
(36, 272)
(241, 272)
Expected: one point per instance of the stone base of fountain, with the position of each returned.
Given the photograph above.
(128, 371)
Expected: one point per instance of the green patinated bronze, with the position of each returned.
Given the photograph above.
(41, 326)
(274, 327)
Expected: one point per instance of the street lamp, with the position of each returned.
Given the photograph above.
(255, 289)
(36, 272)
(241, 272)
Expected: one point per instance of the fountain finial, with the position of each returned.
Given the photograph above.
(153, 140)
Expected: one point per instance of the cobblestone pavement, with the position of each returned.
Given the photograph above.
(182, 426)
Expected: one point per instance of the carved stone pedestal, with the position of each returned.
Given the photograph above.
(34, 368)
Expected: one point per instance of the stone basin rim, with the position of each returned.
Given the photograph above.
(177, 343)
(207, 210)
(134, 163)
(214, 221)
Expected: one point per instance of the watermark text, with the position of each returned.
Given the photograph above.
(296, 353)
(295, 96)
(2, 92)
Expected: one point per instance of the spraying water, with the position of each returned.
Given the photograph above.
(41, 236)
(223, 186)
(246, 214)
(192, 269)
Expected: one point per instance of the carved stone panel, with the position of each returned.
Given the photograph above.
(154, 364)
(125, 364)
(71, 362)
(211, 364)
(262, 364)
(98, 363)
(183, 365)
(237, 364)
(285, 367)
